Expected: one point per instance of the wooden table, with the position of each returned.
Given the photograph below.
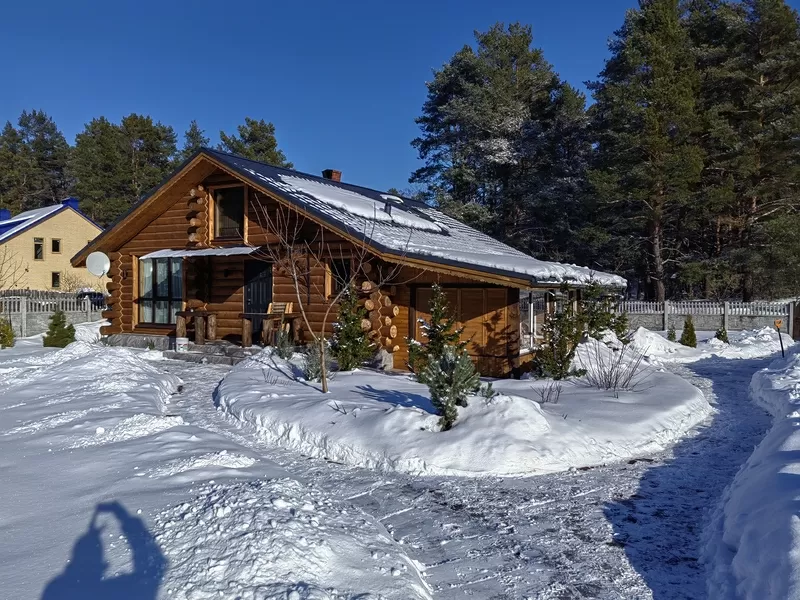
(268, 327)
(205, 325)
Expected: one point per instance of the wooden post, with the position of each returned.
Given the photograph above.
(297, 330)
(199, 330)
(726, 309)
(212, 327)
(180, 326)
(247, 333)
(267, 327)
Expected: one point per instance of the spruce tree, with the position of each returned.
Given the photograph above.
(688, 335)
(59, 333)
(256, 141)
(193, 140)
(647, 160)
(350, 345)
(440, 332)
(451, 378)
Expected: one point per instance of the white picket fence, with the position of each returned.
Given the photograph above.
(29, 310)
(704, 307)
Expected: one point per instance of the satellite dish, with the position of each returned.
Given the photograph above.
(97, 263)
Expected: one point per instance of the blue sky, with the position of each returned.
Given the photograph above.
(342, 81)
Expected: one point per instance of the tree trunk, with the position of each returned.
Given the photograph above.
(323, 372)
(657, 247)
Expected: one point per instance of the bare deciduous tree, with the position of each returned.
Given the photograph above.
(299, 248)
(12, 269)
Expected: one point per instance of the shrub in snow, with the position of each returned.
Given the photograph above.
(312, 370)
(722, 335)
(614, 369)
(597, 311)
(283, 345)
(450, 378)
(350, 345)
(59, 334)
(562, 333)
(440, 332)
(671, 336)
(550, 393)
(6, 334)
(688, 336)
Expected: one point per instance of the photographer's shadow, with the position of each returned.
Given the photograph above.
(84, 577)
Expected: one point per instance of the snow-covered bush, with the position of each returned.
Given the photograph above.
(312, 368)
(440, 332)
(350, 345)
(450, 378)
(722, 334)
(6, 334)
(59, 334)
(688, 335)
(613, 368)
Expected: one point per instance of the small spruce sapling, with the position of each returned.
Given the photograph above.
(313, 364)
(59, 334)
(671, 335)
(562, 333)
(440, 332)
(6, 334)
(597, 311)
(350, 345)
(688, 335)
(722, 334)
(451, 378)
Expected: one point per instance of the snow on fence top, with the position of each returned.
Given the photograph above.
(408, 227)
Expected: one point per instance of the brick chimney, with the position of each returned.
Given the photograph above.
(5, 214)
(332, 174)
(71, 202)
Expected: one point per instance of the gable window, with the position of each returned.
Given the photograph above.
(229, 212)
(55, 279)
(38, 248)
(160, 290)
(337, 276)
(55, 246)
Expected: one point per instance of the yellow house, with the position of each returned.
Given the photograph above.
(36, 247)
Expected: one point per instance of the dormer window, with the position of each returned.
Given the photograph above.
(229, 212)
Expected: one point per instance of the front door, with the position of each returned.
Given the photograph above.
(257, 291)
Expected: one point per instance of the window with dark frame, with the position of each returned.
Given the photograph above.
(340, 274)
(160, 290)
(55, 246)
(229, 212)
(55, 279)
(38, 248)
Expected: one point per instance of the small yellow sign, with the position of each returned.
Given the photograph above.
(778, 323)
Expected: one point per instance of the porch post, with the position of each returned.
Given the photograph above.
(199, 330)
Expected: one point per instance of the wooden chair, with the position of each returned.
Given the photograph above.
(275, 312)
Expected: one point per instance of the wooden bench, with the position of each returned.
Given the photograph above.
(280, 312)
(205, 325)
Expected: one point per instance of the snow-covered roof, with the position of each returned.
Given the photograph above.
(18, 223)
(188, 253)
(403, 226)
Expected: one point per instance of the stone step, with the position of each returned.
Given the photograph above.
(203, 358)
(223, 349)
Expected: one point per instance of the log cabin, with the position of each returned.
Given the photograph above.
(198, 245)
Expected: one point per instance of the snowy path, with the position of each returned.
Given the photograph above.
(622, 531)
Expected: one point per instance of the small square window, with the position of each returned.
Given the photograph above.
(339, 275)
(55, 279)
(55, 246)
(38, 248)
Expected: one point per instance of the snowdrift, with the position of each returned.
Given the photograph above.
(753, 541)
(386, 421)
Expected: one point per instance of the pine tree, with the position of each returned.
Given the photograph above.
(647, 161)
(256, 141)
(59, 333)
(193, 140)
(6, 334)
(671, 335)
(562, 333)
(350, 345)
(440, 333)
(451, 378)
(688, 335)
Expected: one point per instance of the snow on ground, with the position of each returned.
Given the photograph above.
(755, 343)
(387, 422)
(109, 492)
(753, 550)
